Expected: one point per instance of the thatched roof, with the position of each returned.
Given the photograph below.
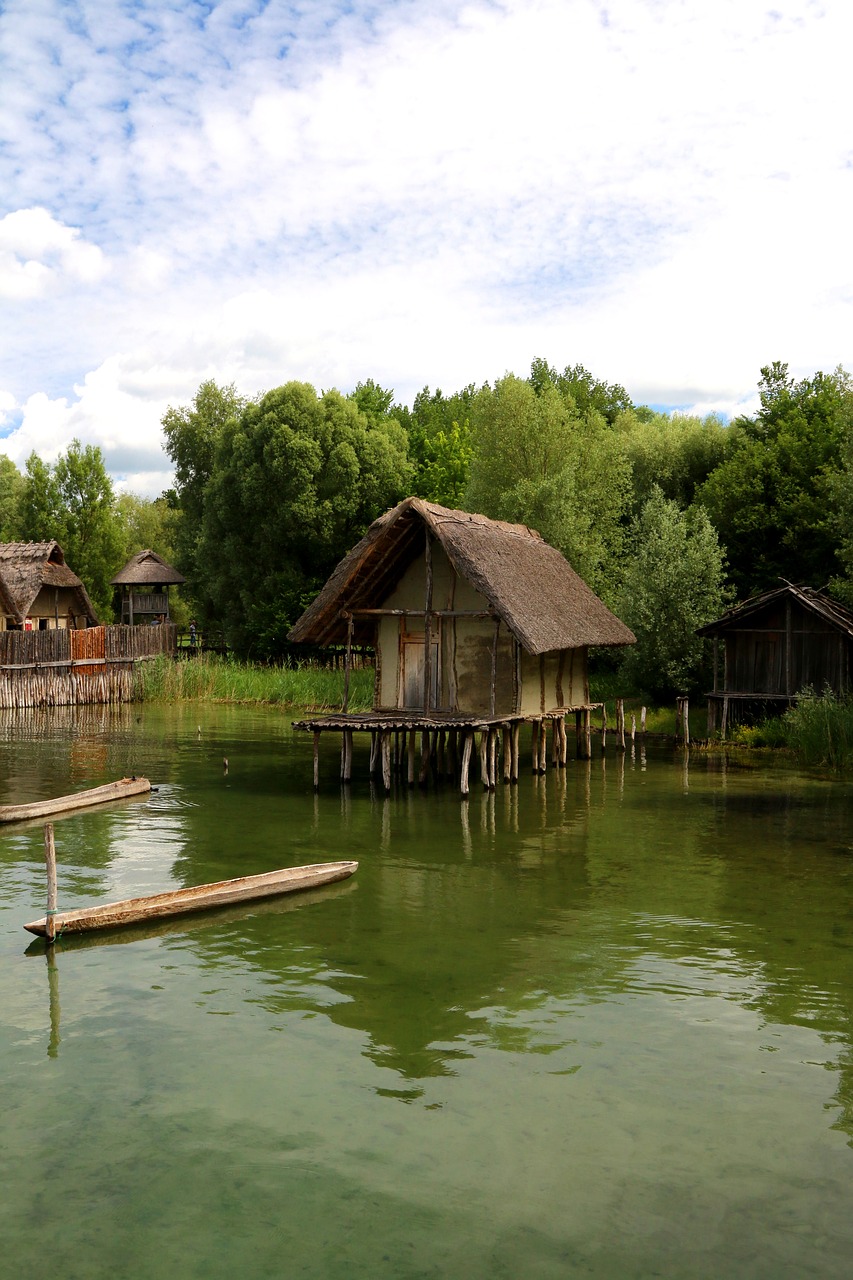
(26, 567)
(812, 600)
(146, 569)
(530, 585)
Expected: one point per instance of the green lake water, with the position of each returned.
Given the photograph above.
(598, 1024)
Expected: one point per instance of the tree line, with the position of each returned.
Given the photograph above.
(668, 517)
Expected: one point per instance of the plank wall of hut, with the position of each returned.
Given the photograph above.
(771, 649)
(475, 663)
(64, 667)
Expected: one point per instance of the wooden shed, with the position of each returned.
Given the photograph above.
(39, 592)
(775, 645)
(145, 582)
(474, 622)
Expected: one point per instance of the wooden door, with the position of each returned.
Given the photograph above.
(412, 674)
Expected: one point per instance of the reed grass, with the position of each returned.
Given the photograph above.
(820, 729)
(212, 678)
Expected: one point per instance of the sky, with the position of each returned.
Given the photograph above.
(425, 193)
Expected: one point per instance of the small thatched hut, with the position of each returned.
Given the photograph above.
(773, 646)
(39, 592)
(145, 582)
(473, 621)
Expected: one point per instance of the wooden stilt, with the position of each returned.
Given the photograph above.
(316, 759)
(346, 751)
(516, 751)
(493, 759)
(642, 720)
(50, 862)
(587, 734)
(543, 748)
(467, 744)
(620, 724)
(484, 758)
(535, 729)
(386, 760)
(374, 741)
(507, 753)
(410, 754)
(425, 757)
(633, 728)
(603, 727)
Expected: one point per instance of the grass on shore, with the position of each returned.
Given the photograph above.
(818, 730)
(210, 678)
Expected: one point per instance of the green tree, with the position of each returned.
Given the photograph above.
(674, 583)
(677, 452)
(536, 461)
(841, 491)
(74, 503)
(586, 392)
(11, 489)
(296, 480)
(192, 433)
(771, 498)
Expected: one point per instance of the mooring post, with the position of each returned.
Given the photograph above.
(50, 860)
(620, 724)
(316, 759)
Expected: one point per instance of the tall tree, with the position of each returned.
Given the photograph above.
(296, 480)
(11, 489)
(74, 502)
(192, 434)
(586, 392)
(674, 583)
(771, 498)
(538, 462)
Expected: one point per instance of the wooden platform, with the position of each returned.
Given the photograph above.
(447, 743)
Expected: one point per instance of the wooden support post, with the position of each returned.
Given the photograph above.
(348, 663)
(516, 751)
(543, 748)
(493, 758)
(685, 721)
(467, 744)
(386, 759)
(316, 759)
(643, 720)
(50, 861)
(564, 744)
(620, 724)
(712, 716)
(441, 755)
(410, 769)
(534, 746)
(633, 728)
(507, 752)
(603, 727)
(428, 621)
(346, 770)
(426, 748)
(587, 733)
(374, 741)
(724, 723)
(484, 758)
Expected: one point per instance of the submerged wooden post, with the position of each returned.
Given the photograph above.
(484, 759)
(534, 746)
(467, 743)
(633, 727)
(507, 751)
(386, 759)
(410, 755)
(642, 720)
(50, 860)
(587, 733)
(516, 734)
(620, 724)
(543, 748)
(603, 726)
(493, 758)
(316, 759)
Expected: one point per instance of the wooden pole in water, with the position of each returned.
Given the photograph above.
(50, 860)
(316, 759)
(467, 743)
(620, 724)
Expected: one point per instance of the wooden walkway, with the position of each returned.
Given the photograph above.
(447, 742)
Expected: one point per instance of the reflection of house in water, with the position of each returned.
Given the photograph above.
(774, 646)
(38, 590)
(477, 626)
(145, 582)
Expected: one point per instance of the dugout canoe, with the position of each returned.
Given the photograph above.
(202, 897)
(77, 800)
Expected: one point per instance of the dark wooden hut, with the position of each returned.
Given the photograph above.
(774, 646)
(39, 592)
(475, 623)
(145, 582)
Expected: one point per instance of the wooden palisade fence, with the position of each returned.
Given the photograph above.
(65, 667)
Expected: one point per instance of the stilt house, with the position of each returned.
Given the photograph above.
(475, 623)
(145, 582)
(775, 645)
(39, 592)
(466, 615)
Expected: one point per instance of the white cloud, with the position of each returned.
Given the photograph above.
(38, 252)
(661, 190)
